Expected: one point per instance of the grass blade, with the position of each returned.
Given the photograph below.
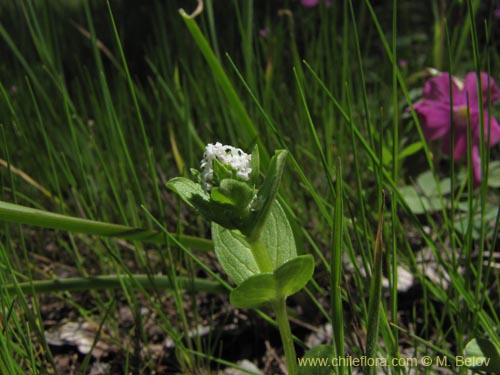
(375, 295)
(336, 269)
(74, 284)
(25, 215)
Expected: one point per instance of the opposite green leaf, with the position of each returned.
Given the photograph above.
(482, 355)
(255, 291)
(293, 275)
(187, 190)
(263, 288)
(235, 255)
(222, 208)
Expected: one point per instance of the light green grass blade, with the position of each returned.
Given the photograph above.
(25, 215)
(75, 284)
(374, 305)
(336, 268)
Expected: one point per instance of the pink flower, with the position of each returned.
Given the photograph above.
(434, 113)
(314, 3)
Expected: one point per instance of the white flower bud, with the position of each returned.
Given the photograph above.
(230, 156)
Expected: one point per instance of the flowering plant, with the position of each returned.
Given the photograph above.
(252, 237)
(449, 102)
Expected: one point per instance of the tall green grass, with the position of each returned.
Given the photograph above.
(99, 116)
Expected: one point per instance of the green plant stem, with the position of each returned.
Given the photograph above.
(264, 263)
(260, 255)
(286, 335)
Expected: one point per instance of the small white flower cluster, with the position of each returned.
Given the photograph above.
(231, 156)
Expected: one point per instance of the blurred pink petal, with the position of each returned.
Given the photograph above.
(487, 83)
(264, 32)
(309, 3)
(460, 146)
(438, 89)
(434, 118)
(437, 109)
(493, 128)
(314, 3)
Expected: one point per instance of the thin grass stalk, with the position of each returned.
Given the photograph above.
(336, 268)
(178, 300)
(375, 301)
(314, 133)
(359, 191)
(484, 142)
(131, 86)
(461, 44)
(25, 215)
(103, 282)
(395, 177)
(368, 122)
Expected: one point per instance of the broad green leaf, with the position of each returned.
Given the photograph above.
(489, 221)
(263, 288)
(278, 236)
(235, 255)
(427, 184)
(494, 174)
(193, 194)
(255, 291)
(222, 208)
(419, 203)
(445, 186)
(293, 275)
(317, 361)
(482, 355)
(188, 190)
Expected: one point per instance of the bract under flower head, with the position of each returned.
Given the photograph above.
(231, 157)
